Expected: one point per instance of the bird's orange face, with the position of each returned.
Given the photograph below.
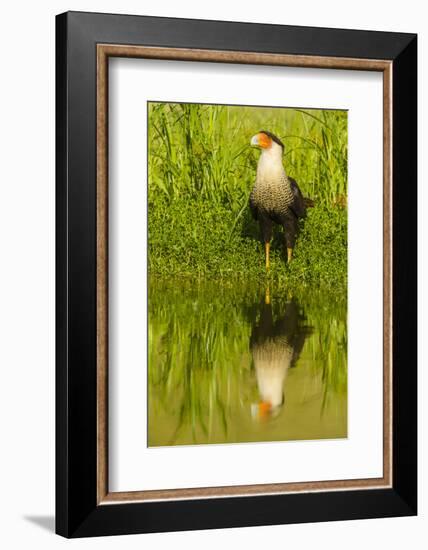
(261, 411)
(265, 408)
(261, 140)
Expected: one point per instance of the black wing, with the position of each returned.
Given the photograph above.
(298, 205)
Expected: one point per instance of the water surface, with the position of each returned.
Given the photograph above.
(231, 363)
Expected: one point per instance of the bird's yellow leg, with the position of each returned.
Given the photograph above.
(267, 296)
(289, 254)
(267, 250)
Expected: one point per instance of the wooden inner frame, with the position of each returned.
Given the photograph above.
(104, 51)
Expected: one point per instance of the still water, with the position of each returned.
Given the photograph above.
(231, 364)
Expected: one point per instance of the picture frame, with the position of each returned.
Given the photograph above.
(84, 44)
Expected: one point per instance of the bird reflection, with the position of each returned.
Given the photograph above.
(276, 342)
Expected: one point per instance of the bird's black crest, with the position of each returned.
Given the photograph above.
(272, 137)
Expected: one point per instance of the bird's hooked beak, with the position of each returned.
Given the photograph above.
(255, 141)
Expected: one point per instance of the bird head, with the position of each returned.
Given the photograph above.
(266, 141)
(264, 411)
(261, 410)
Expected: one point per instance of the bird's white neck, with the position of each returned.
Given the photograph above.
(270, 165)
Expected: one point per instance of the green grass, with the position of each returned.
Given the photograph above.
(189, 238)
(201, 171)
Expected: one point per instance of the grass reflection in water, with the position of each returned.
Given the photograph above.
(238, 364)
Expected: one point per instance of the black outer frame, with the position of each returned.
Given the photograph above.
(77, 513)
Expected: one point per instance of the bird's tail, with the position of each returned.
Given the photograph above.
(309, 203)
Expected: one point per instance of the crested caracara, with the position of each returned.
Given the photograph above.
(276, 344)
(275, 198)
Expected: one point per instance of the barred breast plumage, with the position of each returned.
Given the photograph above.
(272, 196)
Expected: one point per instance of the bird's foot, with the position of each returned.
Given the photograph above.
(267, 252)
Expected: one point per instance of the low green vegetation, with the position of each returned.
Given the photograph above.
(201, 171)
(194, 239)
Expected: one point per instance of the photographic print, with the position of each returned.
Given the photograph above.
(232, 284)
(247, 270)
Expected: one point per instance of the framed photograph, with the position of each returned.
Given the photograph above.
(236, 274)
